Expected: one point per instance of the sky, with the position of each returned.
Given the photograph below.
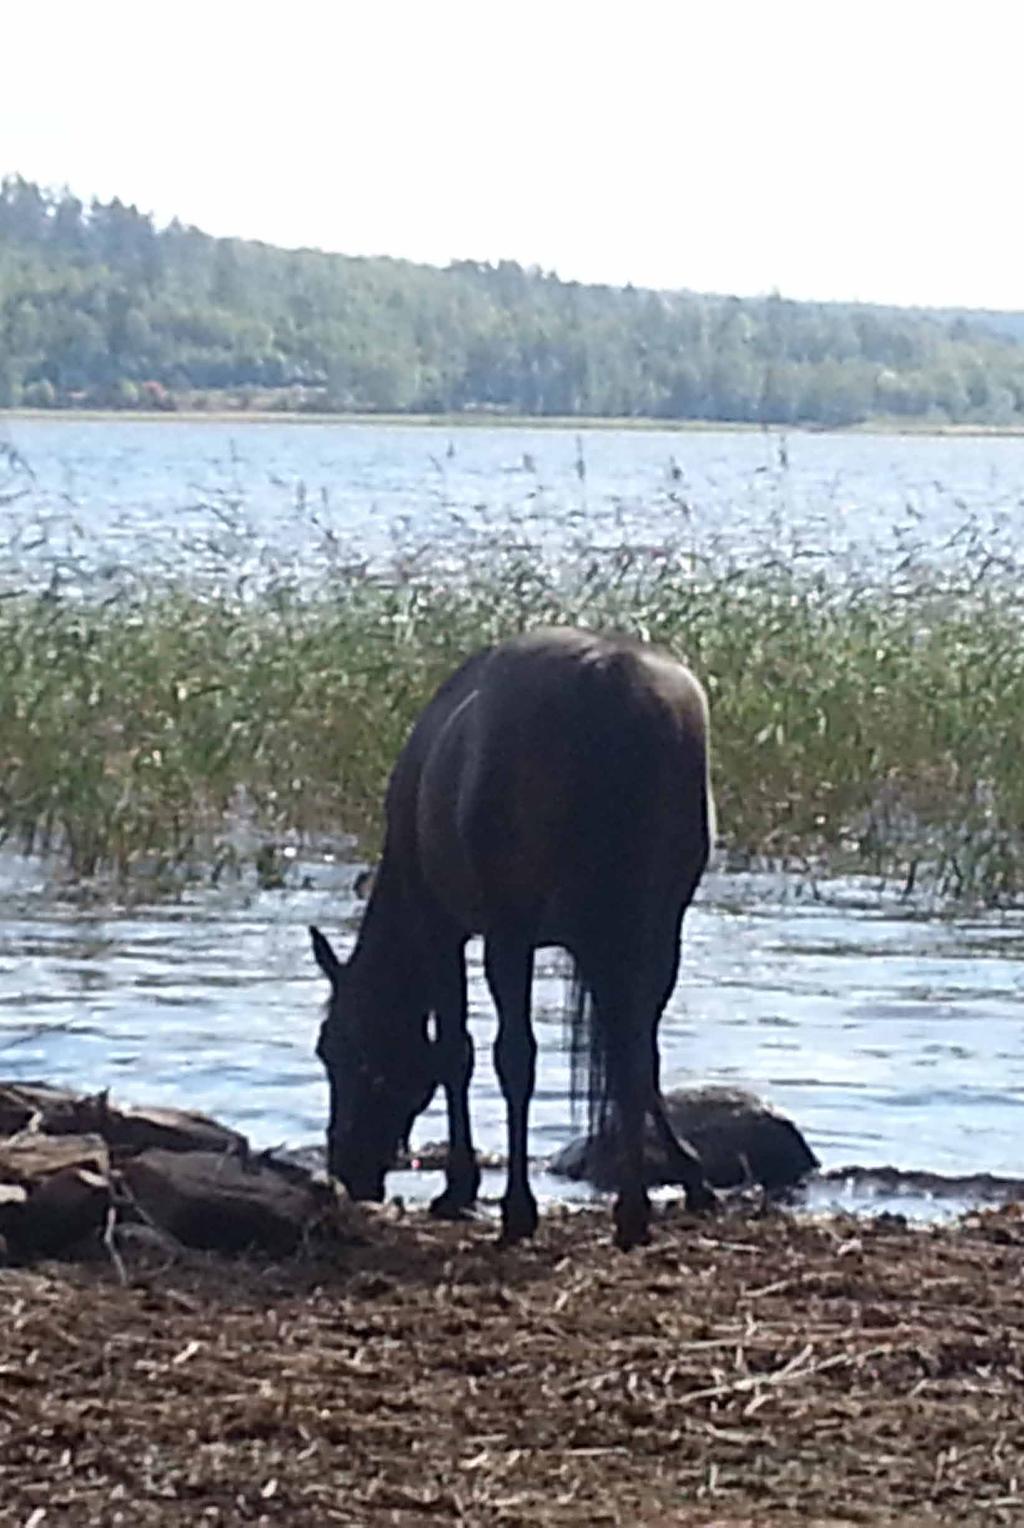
(845, 149)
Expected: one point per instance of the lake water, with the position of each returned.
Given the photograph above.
(891, 1037)
(182, 496)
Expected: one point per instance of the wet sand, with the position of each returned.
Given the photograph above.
(750, 1369)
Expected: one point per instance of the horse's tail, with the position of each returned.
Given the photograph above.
(638, 756)
(588, 1060)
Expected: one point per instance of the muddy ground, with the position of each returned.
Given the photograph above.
(754, 1370)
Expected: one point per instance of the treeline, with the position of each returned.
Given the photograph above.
(98, 306)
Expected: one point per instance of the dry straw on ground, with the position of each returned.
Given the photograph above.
(746, 1370)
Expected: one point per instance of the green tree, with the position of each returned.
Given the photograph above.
(92, 297)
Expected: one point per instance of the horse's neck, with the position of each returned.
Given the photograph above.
(385, 951)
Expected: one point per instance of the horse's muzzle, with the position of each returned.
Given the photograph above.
(361, 1183)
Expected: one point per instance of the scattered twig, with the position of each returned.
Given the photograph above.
(109, 1243)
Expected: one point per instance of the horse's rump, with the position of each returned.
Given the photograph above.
(582, 778)
(564, 791)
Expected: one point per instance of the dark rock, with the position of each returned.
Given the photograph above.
(13, 1203)
(309, 1160)
(70, 1164)
(135, 1130)
(62, 1210)
(54, 1191)
(56, 1112)
(980, 1188)
(739, 1138)
(218, 1202)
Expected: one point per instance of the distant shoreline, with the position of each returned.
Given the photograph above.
(502, 422)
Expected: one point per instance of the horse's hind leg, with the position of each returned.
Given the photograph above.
(508, 963)
(629, 1084)
(455, 1058)
(682, 1161)
(633, 1083)
(628, 1011)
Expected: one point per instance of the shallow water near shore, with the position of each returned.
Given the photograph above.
(890, 1035)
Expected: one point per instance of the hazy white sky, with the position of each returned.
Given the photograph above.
(840, 149)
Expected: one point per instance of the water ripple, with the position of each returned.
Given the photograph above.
(215, 1005)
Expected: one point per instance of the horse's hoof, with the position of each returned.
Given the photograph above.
(632, 1220)
(628, 1237)
(518, 1224)
(701, 1199)
(448, 1207)
(512, 1236)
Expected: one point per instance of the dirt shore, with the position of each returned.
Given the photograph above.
(746, 1370)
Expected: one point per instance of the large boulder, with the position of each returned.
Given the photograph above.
(222, 1203)
(73, 1167)
(740, 1139)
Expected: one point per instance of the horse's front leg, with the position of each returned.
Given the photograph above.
(508, 963)
(455, 1068)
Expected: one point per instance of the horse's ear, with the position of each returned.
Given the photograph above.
(324, 956)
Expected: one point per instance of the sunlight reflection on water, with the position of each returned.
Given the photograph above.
(889, 1038)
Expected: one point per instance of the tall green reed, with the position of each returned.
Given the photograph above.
(863, 719)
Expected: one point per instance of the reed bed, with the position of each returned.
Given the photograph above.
(865, 718)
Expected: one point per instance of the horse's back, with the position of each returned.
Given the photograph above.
(557, 758)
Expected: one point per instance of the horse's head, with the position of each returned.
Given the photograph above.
(381, 1070)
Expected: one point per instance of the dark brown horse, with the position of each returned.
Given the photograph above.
(554, 791)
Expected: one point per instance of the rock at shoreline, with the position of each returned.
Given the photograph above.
(220, 1203)
(74, 1168)
(739, 1138)
(38, 1108)
(31, 1157)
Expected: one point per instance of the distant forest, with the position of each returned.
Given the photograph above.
(99, 307)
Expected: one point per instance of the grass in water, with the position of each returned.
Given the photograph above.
(859, 722)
